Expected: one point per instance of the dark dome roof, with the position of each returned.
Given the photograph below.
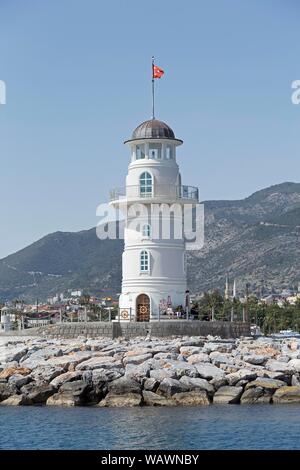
(153, 129)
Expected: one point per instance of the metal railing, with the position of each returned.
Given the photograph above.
(159, 191)
(235, 315)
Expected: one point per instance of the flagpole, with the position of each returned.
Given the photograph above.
(153, 88)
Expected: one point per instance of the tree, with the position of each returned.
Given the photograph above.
(208, 301)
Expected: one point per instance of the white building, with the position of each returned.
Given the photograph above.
(153, 264)
(76, 293)
(5, 321)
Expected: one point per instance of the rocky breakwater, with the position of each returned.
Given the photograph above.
(149, 372)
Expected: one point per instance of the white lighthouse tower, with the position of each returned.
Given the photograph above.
(153, 265)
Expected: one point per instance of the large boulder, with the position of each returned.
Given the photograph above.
(283, 358)
(100, 362)
(135, 360)
(189, 350)
(191, 341)
(46, 373)
(18, 380)
(209, 371)
(196, 358)
(39, 394)
(75, 347)
(220, 347)
(161, 374)
(166, 348)
(66, 377)
(100, 377)
(12, 353)
(295, 380)
(228, 394)
(197, 384)
(295, 364)
(37, 357)
(181, 368)
(34, 362)
(13, 400)
(256, 359)
(287, 394)
(272, 375)
(266, 383)
(62, 399)
(137, 352)
(151, 384)
(230, 369)
(127, 400)
(242, 374)
(77, 388)
(278, 366)
(124, 385)
(218, 382)
(153, 399)
(166, 356)
(9, 365)
(138, 372)
(69, 359)
(193, 398)
(255, 395)
(218, 358)
(29, 387)
(169, 387)
(5, 391)
(70, 394)
(9, 371)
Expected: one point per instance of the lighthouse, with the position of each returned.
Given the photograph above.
(153, 263)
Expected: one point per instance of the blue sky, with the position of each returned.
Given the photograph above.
(78, 77)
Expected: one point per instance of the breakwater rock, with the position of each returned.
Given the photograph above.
(149, 372)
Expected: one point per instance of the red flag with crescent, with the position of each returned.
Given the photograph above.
(157, 72)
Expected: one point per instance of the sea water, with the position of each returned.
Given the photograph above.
(206, 427)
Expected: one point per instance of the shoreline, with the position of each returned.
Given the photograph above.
(178, 371)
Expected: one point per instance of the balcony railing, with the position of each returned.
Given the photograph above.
(156, 191)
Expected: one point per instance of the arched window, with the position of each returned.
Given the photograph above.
(146, 184)
(144, 261)
(146, 231)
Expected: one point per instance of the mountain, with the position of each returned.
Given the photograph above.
(61, 261)
(255, 240)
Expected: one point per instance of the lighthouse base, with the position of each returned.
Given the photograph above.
(148, 306)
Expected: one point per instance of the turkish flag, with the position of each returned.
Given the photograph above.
(157, 72)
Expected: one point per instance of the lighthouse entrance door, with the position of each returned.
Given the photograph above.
(143, 308)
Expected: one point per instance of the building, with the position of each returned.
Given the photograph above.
(153, 263)
(5, 321)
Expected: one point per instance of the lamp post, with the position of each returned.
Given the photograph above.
(187, 303)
